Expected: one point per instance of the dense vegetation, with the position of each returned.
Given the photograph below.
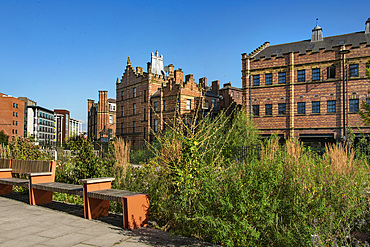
(217, 181)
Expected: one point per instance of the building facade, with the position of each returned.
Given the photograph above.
(11, 115)
(41, 125)
(149, 101)
(101, 118)
(310, 89)
(230, 98)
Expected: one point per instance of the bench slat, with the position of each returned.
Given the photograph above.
(15, 181)
(60, 187)
(111, 194)
(4, 163)
(28, 166)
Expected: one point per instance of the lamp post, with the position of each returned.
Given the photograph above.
(343, 53)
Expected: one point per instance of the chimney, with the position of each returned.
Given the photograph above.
(215, 86)
(179, 76)
(189, 78)
(139, 70)
(90, 104)
(203, 83)
(317, 33)
(103, 103)
(367, 29)
(170, 70)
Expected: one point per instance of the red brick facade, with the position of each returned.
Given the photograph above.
(147, 102)
(101, 118)
(11, 115)
(308, 102)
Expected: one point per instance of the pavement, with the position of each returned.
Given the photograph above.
(62, 224)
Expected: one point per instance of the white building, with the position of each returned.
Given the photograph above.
(41, 125)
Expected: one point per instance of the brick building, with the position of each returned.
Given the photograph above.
(101, 124)
(230, 98)
(311, 89)
(148, 101)
(11, 115)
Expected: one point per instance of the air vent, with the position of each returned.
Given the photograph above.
(353, 92)
(331, 94)
(255, 99)
(301, 96)
(268, 98)
(310, 47)
(316, 95)
(282, 97)
(277, 51)
(341, 42)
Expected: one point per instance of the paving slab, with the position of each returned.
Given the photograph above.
(62, 224)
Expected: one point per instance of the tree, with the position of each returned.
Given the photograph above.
(365, 106)
(3, 138)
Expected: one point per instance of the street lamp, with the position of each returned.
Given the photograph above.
(343, 53)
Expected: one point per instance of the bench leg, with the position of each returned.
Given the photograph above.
(6, 189)
(95, 208)
(135, 211)
(38, 197)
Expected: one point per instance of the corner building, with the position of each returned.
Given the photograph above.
(310, 89)
(148, 101)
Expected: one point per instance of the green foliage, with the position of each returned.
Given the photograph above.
(23, 148)
(3, 138)
(85, 163)
(365, 106)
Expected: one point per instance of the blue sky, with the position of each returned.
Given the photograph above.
(60, 53)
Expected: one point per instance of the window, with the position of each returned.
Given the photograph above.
(13, 122)
(353, 105)
(316, 74)
(301, 75)
(13, 114)
(110, 119)
(268, 79)
(164, 105)
(123, 95)
(134, 92)
(213, 102)
(144, 114)
(331, 72)
(188, 104)
(16, 123)
(122, 111)
(353, 70)
(315, 106)
(134, 109)
(144, 95)
(268, 109)
(13, 107)
(256, 110)
(301, 108)
(122, 128)
(256, 80)
(155, 125)
(331, 106)
(281, 109)
(133, 127)
(156, 106)
(282, 77)
(237, 95)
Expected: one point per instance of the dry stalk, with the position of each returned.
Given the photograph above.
(339, 159)
(269, 150)
(122, 154)
(4, 151)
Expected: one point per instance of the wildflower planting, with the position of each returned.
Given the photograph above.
(201, 185)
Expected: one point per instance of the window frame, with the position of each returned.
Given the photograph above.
(331, 108)
(256, 110)
(268, 79)
(256, 80)
(354, 105)
(316, 107)
(316, 74)
(268, 109)
(282, 78)
(330, 73)
(134, 109)
(134, 92)
(281, 108)
(353, 70)
(301, 75)
(301, 107)
(188, 104)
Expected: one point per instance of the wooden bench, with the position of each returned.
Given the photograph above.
(37, 172)
(97, 193)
